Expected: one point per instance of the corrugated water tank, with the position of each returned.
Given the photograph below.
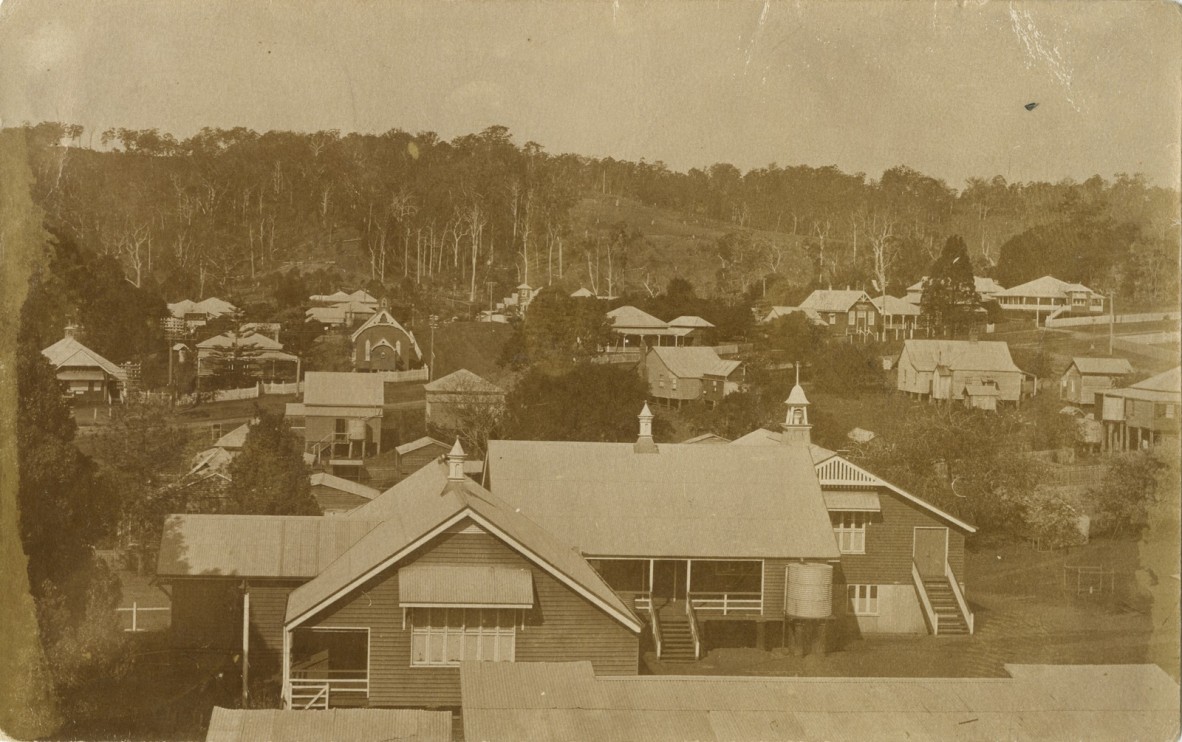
(809, 592)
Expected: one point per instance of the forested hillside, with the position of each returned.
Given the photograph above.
(427, 219)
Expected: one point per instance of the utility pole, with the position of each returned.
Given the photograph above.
(434, 320)
(1111, 319)
(490, 304)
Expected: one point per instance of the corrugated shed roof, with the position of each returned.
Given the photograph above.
(707, 438)
(1045, 287)
(421, 503)
(465, 585)
(1167, 381)
(324, 479)
(690, 320)
(631, 317)
(501, 701)
(1162, 388)
(833, 300)
(1105, 366)
(694, 362)
(418, 443)
(463, 380)
(959, 355)
(68, 352)
(332, 725)
(894, 306)
(343, 389)
(254, 545)
(609, 500)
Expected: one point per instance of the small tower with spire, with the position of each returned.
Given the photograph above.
(796, 427)
(455, 463)
(645, 443)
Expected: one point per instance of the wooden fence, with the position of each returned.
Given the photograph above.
(1104, 319)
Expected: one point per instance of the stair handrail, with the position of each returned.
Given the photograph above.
(656, 624)
(960, 601)
(923, 598)
(693, 625)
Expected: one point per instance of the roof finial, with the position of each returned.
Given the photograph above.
(644, 443)
(455, 463)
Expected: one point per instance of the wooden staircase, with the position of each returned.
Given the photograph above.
(677, 640)
(952, 622)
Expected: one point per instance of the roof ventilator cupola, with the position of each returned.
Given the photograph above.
(455, 463)
(796, 427)
(645, 443)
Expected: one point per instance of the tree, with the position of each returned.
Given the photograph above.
(269, 476)
(233, 367)
(950, 301)
(795, 336)
(1129, 488)
(590, 402)
(559, 331)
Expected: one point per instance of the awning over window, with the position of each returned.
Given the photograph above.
(852, 501)
(465, 586)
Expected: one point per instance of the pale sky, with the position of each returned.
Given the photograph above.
(939, 86)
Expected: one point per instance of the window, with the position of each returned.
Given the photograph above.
(623, 575)
(870, 318)
(850, 530)
(441, 637)
(832, 318)
(674, 384)
(1169, 410)
(863, 599)
(851, 319)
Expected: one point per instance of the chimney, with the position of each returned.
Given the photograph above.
(73, 331)
(455, 463)
(795, 428)
(645, 444)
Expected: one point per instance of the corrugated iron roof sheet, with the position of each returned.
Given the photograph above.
(463, 380)
(332, 725)
(418, 443)
(1106, 366)
(1044, 287)
(464, 584)
(343, 389)
(631, 317)
(501, 701)
(690, 320)
(894, 306)
(694, 362)
(324, 479)
(70, 352)
(609, 500)
(253, 340)
(1167, 381)
(276, 546)
(959, 355)
(833, 300)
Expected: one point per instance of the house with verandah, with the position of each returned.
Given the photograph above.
(86, 375)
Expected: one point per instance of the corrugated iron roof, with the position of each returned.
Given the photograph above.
(463, 380)
(694, 362)
(984, 285)
(959, 355)
(630, 317)
(1105, 366)
(68, 352)
(1045, 287)
(343, 389)
(253, 340)
(324, 479)
(332, 725)
(418, 443)
(275, 546)
(707, 438)
(1167, 381)
(502, 701)
(609, 500)
(833, 300)
(891, 305)
(465, 585)
(690, 320)
(235, 439)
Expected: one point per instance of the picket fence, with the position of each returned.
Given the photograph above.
(1104, 319)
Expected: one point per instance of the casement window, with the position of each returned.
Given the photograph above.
(863, 599)
(442, 637)
(850, 530)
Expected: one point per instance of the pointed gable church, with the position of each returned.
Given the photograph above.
(382, 344)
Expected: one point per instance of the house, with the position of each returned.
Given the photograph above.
(899, 317)
(563, 701)
(1143, 415)
(462, 395)
(583, 293)
(360, 296)
(336, 495)
(986, 288)
(635, 327)
(341, 418)
(1086, 376)
(87, 376)
(777, 312)
(845, 312)
(382, 344)
(1048, 295)
(690, 373)
(690, 329)
(412, 456)
(261, 355)
(902, 560)
(329, 725)
(344, 314)
(197, 313)
(377, 607)
(941, 370)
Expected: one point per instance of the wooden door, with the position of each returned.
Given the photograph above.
(930, 551)
(669, 579)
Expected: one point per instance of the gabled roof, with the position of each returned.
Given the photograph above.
(69, 353)
(1167, 381)
(273, 546)
(1045, 287)
(245, 340)
(689, 320)
(706, 438)
(355, 725)
(626, 317)
(507, 701)
(960, 355)
(384, 318)
(234, 439)
(1102, 366)
(1163, 387)
(694, 362)
(325, 315)
(463, 380)
(778, 312)
(324, 479)
(334, 298)
(582, 293)
(983, 284)
(833, 300)
(425, 504)
(343, 389)
(607, 499)
(415, 445)
(893, 306)
(363, 296)
(212, 306)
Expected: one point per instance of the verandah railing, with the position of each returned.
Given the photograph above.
(728, 603)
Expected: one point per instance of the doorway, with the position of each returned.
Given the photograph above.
(930, 551)
(669, 577)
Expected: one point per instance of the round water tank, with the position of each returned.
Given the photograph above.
(809, 592)
(357, 429)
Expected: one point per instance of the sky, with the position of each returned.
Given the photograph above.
(938, 86)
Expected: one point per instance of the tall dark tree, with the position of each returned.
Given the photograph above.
(559, 331)
(590, 402)
(950, 302)
(269, 477)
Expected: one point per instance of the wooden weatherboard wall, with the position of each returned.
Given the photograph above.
(889, 542)
(562, 625)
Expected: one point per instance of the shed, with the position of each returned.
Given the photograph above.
(1088, 376)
